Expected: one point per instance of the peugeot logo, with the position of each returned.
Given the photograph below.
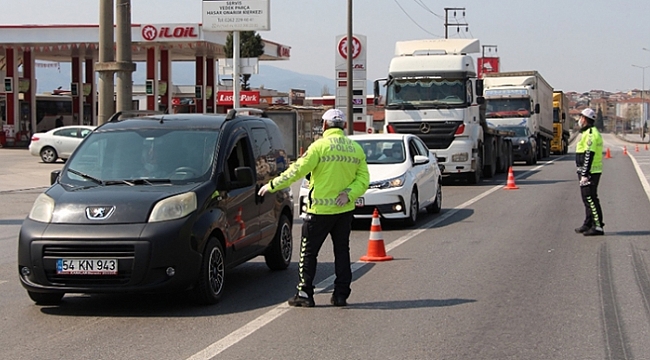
(99, 212)
(425, 128)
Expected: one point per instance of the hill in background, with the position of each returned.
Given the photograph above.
(269, 77)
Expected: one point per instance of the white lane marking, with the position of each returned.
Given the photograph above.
(238, 335)
(641, 175)
(3, 281)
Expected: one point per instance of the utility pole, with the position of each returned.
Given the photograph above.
(107, 66)
(447, 24)
(350, 111)
(642, 115)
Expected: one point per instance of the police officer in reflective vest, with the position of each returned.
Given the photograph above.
(338, 176)
(589, 159)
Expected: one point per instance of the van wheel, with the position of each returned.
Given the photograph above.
(278, 254)
(437, 204)
(414, 208)
(49, 155)
(45, 298)
(209, 287)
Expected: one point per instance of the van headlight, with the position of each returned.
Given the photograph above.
(390, 183)
(174, 207)
(42, 209)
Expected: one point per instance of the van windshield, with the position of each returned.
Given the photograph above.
(149, 155)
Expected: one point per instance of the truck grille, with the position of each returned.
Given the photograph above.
(125, 254)
(435, 134)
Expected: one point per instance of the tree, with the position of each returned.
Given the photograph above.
(325, 91)
(599, 120)
(251, 46)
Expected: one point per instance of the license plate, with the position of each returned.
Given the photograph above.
(359, 202)
(86, 266)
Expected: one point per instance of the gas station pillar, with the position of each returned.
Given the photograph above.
(153, 56)
(166, 78)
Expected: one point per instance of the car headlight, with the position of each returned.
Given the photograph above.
(42, 209)
(522, 142)
(390, 183)
(174, 207)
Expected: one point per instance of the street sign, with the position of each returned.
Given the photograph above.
(149, 87)
(74, 89)
(9, 85)
(242, 15)
(198, 92)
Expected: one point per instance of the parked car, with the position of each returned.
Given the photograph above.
(158, 203)
(524, 145)
(58, 143)
(404, 178)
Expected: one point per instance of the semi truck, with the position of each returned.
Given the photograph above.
(521, 98)
(432, 91)
(561, 135)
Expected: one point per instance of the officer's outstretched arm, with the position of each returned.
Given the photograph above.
(298, 170)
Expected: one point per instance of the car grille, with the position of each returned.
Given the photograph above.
(125, 254)
(439, 136)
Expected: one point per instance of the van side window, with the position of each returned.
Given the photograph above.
(240, 156)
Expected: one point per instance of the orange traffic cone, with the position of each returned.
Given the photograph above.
(608, 155)
(510, 185)
(646, 146)
(624, 150)
(376, 250)
(636, 148)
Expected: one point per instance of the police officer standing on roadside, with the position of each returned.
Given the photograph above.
(339, 175)
(589, 159)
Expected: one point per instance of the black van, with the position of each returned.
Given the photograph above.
(159, 203)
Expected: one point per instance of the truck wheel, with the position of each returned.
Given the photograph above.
(490, 167)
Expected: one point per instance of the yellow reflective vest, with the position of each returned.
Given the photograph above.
(336, 163)
(589, 152)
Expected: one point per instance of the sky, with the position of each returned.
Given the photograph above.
(575, 45)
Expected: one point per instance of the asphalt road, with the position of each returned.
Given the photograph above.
(499, 274)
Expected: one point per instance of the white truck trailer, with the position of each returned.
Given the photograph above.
(432, 91)
(521, 98)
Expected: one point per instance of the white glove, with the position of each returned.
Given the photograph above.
(584, 181)
(342, 199)
(264, 189)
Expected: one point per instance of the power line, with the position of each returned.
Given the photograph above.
(425, 7)
(415, 22)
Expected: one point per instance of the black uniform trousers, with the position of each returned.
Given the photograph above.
(589, 193)
(314, 232)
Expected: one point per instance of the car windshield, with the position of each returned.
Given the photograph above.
(520, 131)
(426, 92)
(142, 156)
(506, 108)
(383, 151)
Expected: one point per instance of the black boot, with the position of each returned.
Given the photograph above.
(299, 301)
(582, 229)
(337, 300)
(594, 231)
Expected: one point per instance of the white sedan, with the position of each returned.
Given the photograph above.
(404, 178)
(58, 143)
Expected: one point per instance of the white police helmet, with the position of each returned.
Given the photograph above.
(334, 118)
(589, 114)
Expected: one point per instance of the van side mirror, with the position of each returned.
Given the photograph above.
(536, 108)
(54, 176)
(245, 176)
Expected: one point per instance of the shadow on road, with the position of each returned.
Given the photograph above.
(409, 304)
(11, 221)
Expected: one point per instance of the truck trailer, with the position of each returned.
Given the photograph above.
(432, 91)
(561, 135)
(521, 98)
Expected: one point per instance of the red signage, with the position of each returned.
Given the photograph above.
(487, 65)
(245, 98)
(343, 47)
(284, 51)
(151, 33)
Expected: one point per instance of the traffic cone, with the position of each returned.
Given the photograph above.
(608, 155)
(636, 148)
(510, 185)
(624, 150)
(646, 146)
(376, 250)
